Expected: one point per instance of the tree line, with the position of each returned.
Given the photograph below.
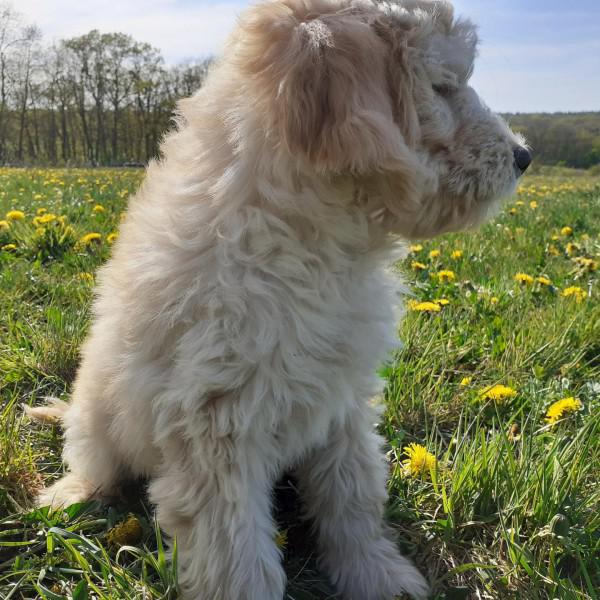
(99, 98)
(106, 99)
(563, 139)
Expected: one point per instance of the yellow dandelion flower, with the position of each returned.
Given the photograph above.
(112, 237)
(47, 218)
(519, 203)
(420, 462)
(571, 248)
(416, 248)
(98, 208)
(513, 211)
(586, 263)
(418, 266)
(562, 408)
(127, 533)
(555, 237)
(565, 231)
(446, 276)
(465, 381)
(494, 300)
(442, 301)
(430, 307)
(38, 196)
(575, 292)
(543, 280)
(523, 278)
(41, 211)
(456, 254)
(553, 250)
(9, 247)
(533, 205)
(40, 231)
(434, 254)
(498, 393)
(88, 238)
(84, 276)
(15, 215)
(4, 225)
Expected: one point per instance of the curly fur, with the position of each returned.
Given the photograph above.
(239, 323)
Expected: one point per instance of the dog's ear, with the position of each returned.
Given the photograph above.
(320, 74)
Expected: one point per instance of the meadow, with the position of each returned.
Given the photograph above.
(492, 407)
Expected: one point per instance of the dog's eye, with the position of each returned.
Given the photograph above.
(443, 89)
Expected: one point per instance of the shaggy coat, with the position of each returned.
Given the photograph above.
(240, 321)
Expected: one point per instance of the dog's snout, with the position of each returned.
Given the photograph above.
(522, 158)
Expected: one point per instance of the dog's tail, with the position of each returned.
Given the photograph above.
(53, 412)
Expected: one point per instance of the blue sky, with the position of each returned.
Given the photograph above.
(536, 55)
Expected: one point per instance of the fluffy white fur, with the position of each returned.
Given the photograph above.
(238, 326)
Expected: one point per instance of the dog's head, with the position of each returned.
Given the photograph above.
(380, 92)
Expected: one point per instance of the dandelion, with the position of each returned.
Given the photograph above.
(112, 237)
(44, 219)
(456, 254)
(553, 250)
(4, 225)
(442, 301)
(523, 278)
(498, 393)
(9, 247)
(416, 248)
(127, 533)
(513, 211)
(575, 292)
(533, 205)
(15, 215)
(89, 238)
(465, 381)
(566, 231)
(84, 276)
(543, 281)
(40, 211)
(446, 276)
(420, 462)
(586, 263)
(571, 248)
(494, 300)
(98, 208)
(430, 307)
(562, 408)
(434, 254)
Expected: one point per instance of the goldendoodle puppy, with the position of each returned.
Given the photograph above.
(238, 326)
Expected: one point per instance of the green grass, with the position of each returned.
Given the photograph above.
(512, 509)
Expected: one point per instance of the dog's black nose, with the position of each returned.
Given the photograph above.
(522, 158)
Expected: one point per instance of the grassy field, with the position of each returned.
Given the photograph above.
(500, 496)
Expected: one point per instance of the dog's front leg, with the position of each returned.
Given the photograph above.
(215, 499)
(344, 487)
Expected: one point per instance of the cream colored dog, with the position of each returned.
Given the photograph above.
(240, 321)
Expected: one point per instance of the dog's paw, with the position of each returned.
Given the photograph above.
(379, 572)
(68, 490)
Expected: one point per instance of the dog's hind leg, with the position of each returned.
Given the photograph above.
(344, 487)
(214, 497)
